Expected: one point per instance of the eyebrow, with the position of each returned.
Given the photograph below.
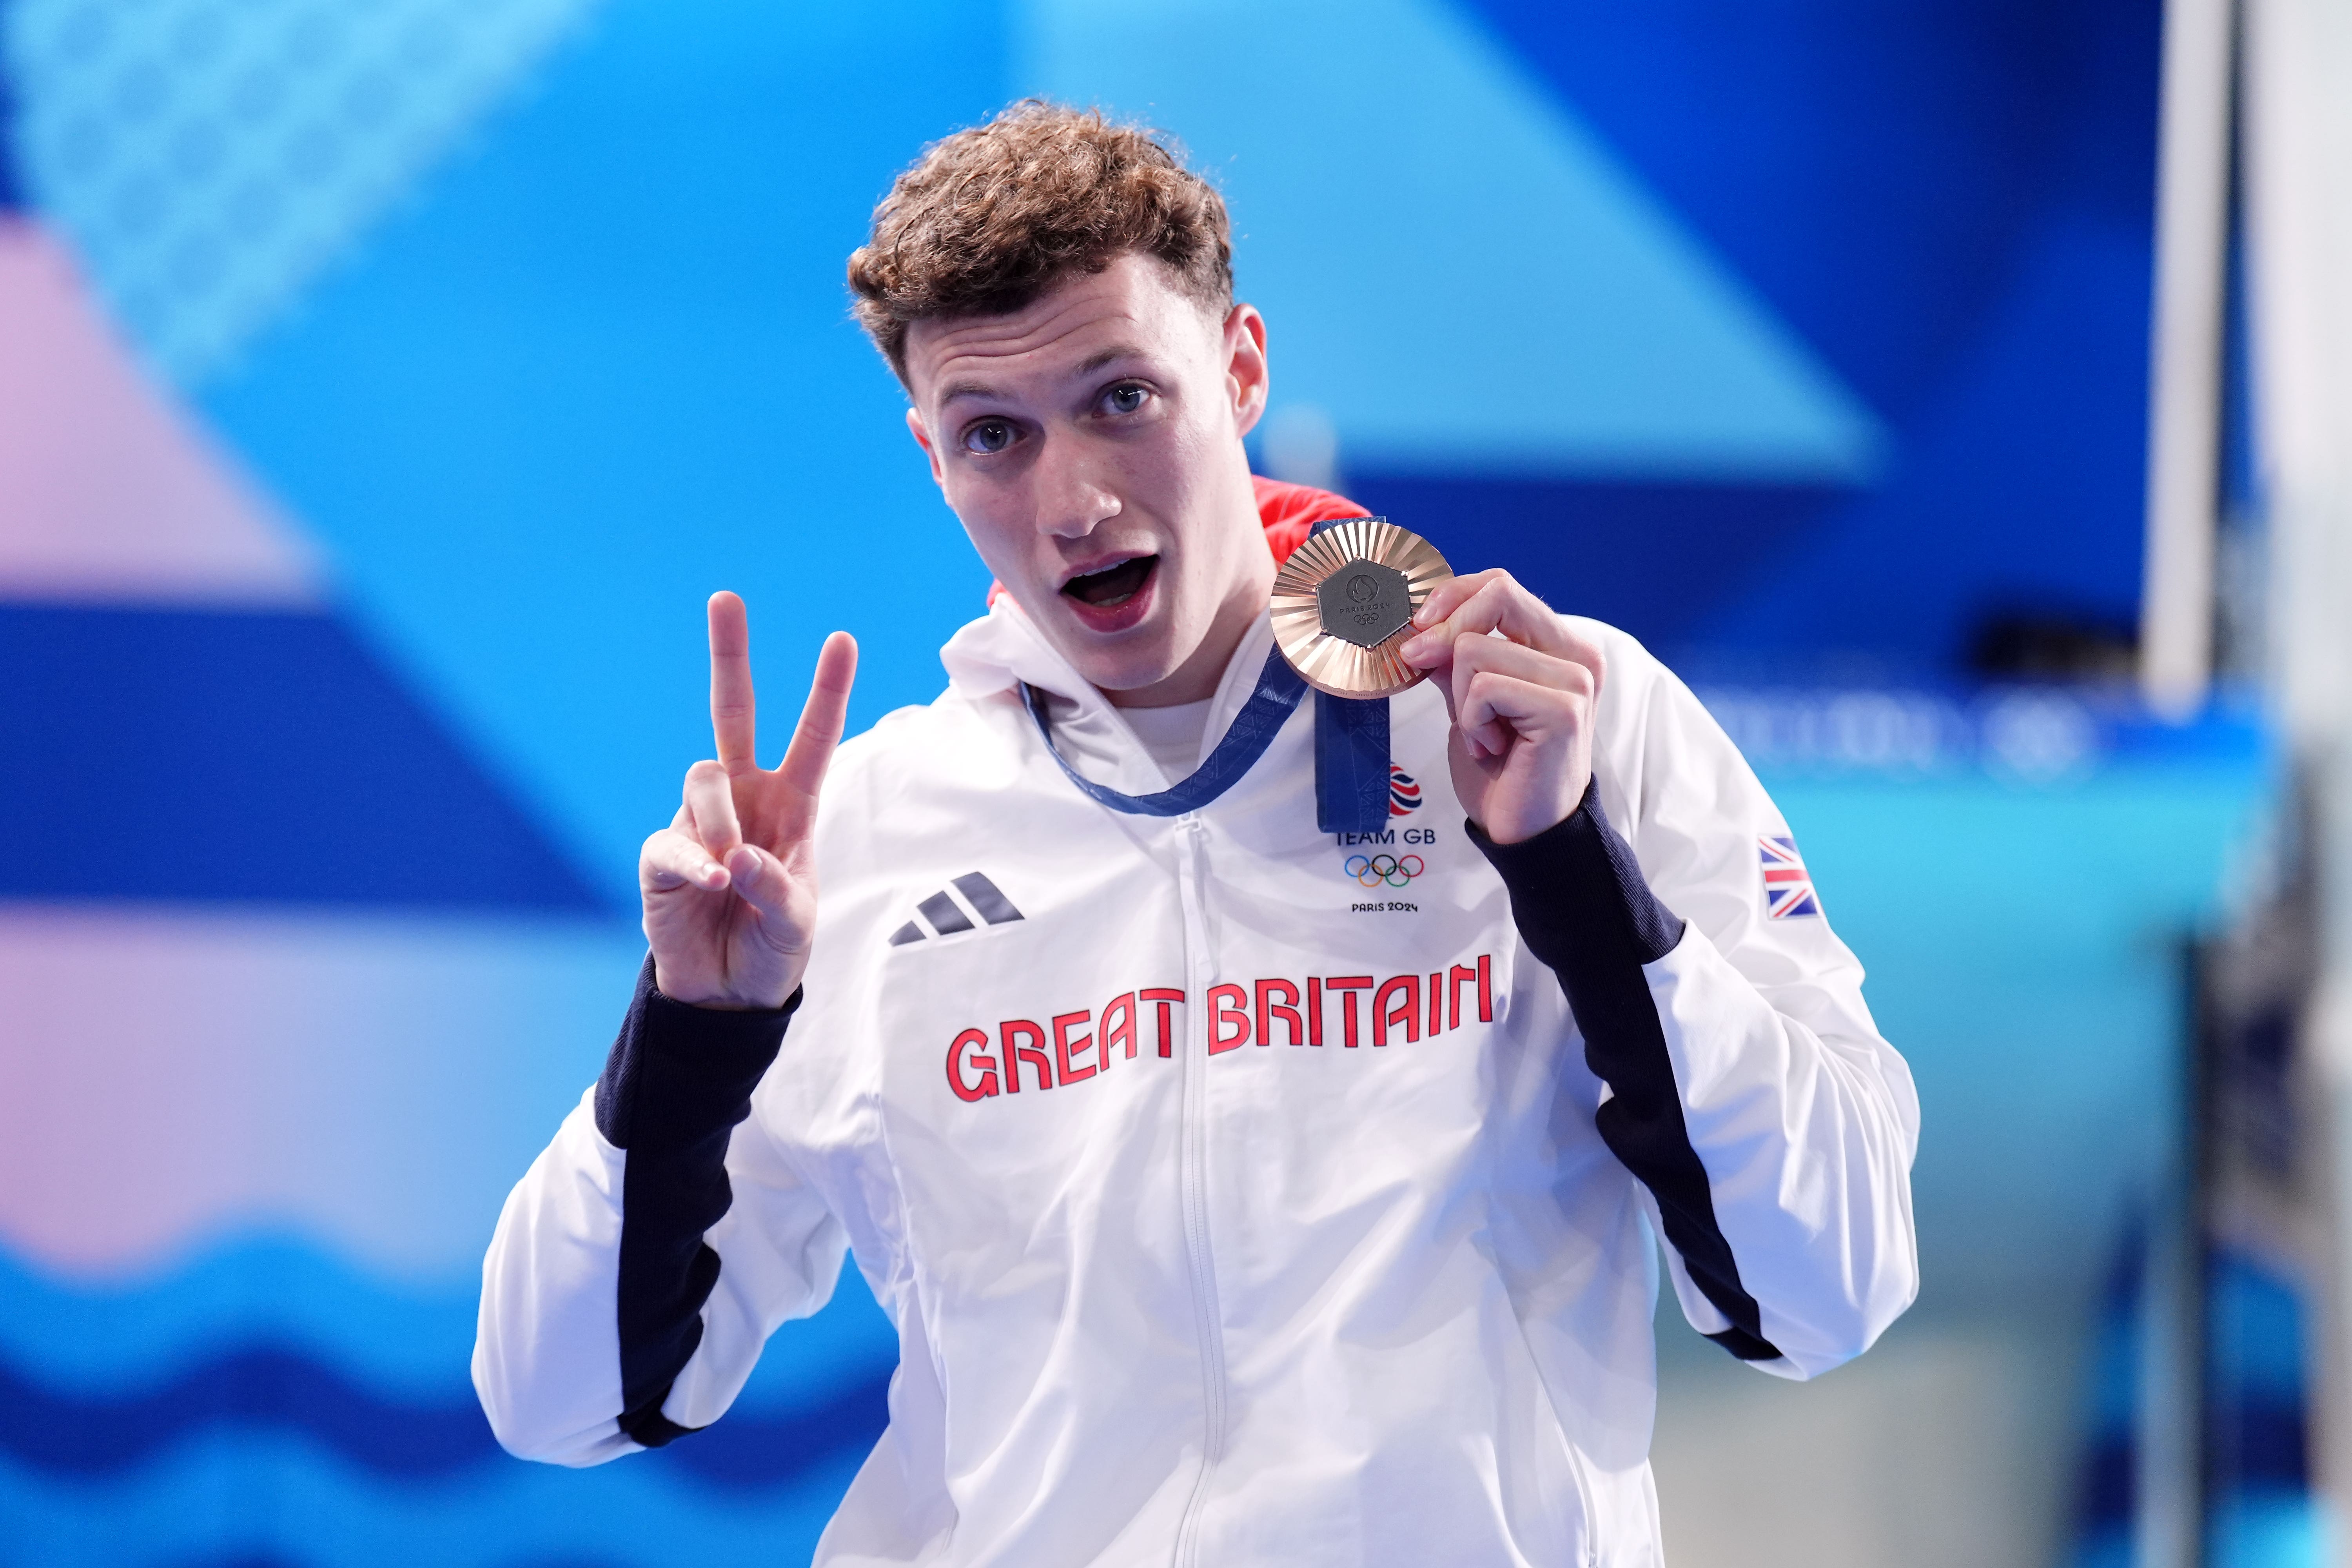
(1108, 356)
(1093, 363)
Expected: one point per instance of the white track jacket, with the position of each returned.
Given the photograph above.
(1241, 1196)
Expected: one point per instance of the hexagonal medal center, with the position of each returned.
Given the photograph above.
(1365, 603)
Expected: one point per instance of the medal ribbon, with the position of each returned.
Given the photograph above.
(1352, 752)
(1277, 692)
(1351, 763)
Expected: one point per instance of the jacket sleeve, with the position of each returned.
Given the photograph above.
(626, 1293)
(1745, 1085)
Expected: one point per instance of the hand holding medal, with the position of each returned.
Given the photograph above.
(1367, 609)
(1522, 687)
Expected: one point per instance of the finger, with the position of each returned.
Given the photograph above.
(1491, 703)
(672, 860)
(711, 806)
(760, 881)
(1445, 603)
(1499, 603)
(1471, 652)
(1476, 655)
(1432, 651)
(733, 715)
(819, 730)
(1448, 596)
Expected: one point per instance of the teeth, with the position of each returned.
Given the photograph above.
(1085, 587)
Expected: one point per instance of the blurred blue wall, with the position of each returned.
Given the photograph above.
(1806, 335)
(1797, 339)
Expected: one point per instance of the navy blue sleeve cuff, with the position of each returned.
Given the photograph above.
(1577, 895)
(678, 1082)
(1582, 907)
(678, 1072)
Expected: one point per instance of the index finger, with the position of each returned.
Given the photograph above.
(1479, 602)
(733, 714)
(822, 717)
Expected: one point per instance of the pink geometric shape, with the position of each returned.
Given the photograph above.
(372, 1084)
(108, 493)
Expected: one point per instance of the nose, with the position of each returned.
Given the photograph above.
(1073, 500)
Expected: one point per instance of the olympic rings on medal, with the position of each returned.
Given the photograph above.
(1371, 871)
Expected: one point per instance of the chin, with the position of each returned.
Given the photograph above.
(1122, 670)
(1126, 659)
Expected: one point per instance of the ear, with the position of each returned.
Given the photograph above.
(1245, 367)
(923, 439)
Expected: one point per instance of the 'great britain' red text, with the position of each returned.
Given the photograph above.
(1071, 1047)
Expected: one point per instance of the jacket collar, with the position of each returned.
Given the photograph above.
(1004, 650)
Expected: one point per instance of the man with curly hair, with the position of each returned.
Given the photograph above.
(1251, 1180)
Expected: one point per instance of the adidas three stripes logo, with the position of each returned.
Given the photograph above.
(946, 915)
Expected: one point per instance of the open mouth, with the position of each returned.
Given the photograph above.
(1117, 599)
(1114, 586)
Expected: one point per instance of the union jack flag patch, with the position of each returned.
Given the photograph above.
(1788, 886)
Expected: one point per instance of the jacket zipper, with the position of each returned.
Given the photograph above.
(1192, 1148)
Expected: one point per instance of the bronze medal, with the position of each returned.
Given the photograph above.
(1344, 603)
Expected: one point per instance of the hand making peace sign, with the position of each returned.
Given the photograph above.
(731, 885)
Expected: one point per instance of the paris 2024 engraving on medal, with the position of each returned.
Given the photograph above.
(1365, 602)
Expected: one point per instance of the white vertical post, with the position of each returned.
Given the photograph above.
(2298, 129)
(2184, 430)
(2192, 202)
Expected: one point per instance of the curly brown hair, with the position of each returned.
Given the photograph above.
(989, 218)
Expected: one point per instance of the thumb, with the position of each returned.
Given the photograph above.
(761, 882)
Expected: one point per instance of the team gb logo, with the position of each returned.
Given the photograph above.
(1404, 795)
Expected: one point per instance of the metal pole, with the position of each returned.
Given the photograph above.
(2185, 355)
(2298, 129)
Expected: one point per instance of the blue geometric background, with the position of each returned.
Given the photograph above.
(1794, 338)
(1812, 333)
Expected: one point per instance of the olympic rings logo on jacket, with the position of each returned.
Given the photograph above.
(1373, 871)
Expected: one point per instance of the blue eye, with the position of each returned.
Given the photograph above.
(1125, 399)
(987, 436)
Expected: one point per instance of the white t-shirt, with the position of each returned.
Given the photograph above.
(1172, 735)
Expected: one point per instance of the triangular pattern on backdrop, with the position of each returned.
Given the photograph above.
(195, 724)
(209, 161)
(1529, 308)
(261, 757)
(107, 492)
(191, 723)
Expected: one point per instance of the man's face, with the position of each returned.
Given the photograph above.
(1091, 443)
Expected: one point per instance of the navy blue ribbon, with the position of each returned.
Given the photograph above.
(1352, 751)
(1253, 729)
(1351, 763)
